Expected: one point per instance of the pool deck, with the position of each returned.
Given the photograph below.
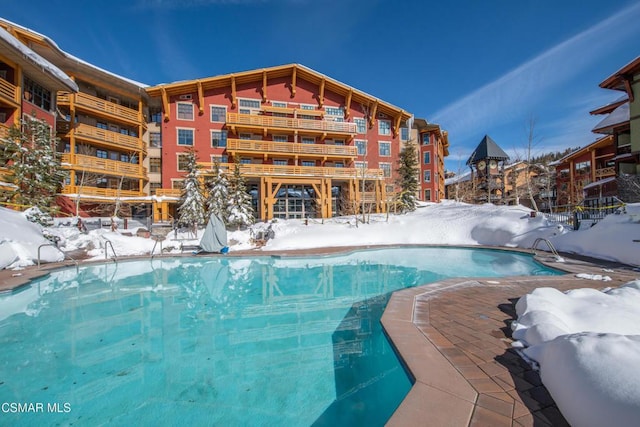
(454, 337)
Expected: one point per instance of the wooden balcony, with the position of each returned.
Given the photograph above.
(260, 170)
(265, 123)
(271, 148)
(100, 107)
(107, 137)
(4, 131)
(9, 93)
(103, 166)
(106, 193)
(606, 172)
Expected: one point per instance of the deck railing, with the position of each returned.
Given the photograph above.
(258, 170)
(100, 105)
(8, 91)
(317, 150)
(100, 192)
(261, 121)
(99, 165)
(93, 133)
(604, 172)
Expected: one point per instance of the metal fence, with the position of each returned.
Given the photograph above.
(586, 214)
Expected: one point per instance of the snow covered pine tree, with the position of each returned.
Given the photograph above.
(192, 201)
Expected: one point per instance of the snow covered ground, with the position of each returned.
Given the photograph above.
(586, 342)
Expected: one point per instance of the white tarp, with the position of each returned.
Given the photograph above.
(215, 235)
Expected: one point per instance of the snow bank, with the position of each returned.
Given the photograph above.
(587, 345)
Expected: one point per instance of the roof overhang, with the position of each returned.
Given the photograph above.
(621, 79)
(605, 141)
(257, 75)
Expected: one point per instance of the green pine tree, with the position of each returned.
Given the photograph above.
(218, 194)
(29, 155)
(239, 206)
(408, 170)
(192, 201)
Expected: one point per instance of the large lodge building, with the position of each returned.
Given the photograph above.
(307, 145)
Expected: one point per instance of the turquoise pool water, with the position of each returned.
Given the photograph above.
(219, 341)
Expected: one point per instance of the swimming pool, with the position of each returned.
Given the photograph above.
(219, 341)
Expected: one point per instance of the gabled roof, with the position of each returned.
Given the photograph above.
(257, 75)
(36, 66)
(487, 149)
(617, 117)
(599, 143)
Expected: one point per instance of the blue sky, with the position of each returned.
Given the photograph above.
(474, 67)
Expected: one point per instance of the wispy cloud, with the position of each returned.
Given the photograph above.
(182, 4)
(526, 86)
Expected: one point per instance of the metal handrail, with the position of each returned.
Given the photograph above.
(115, 256)
(158, 239)
(549, 245)
(63, 253)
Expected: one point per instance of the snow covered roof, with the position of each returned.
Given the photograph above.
(69, 57)
(35, 64)
(458, 178)
(599, 183)
(618, 116)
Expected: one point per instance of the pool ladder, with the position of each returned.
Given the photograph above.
(549, 245)
(75, 261)
(106, 252)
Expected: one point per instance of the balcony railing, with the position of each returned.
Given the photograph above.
(104, 166)
(269, 147)
(170, 192)
(107, 193)
(4, 131)
(260, 121)
(8, 91)
(92, 133)
(605, 172)
(101, 106)
(259, 170)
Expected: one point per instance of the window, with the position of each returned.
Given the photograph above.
(183, 162)
(280, 138)
(427, 195)
(386, 169)
(218, 138)
(113, 155)
(36, 94)
(219, 158)
(177, 184)
(384, 149)
(361, 144)
(361, 165)
(279, 104)
(218, 114)
(427, 176)
(102, 125)
(102, 154)
(184, 110)
(334, 111)
(427, 158)
(185, 136)
(307, 140)
(426, 139)
(338, 165)
(124, 158)
(361, 125)
(124, 131)
(338, 142)
(156, 114)
(155, 139)
(404, 133)
(307, 107)
(308, 163)
(384, 127)
(155, 165)
(249, 106)
(245, 136)
(245, 161)
(153, 186)
(280, 162)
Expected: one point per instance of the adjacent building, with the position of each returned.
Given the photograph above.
(28, 87)
(433, 147)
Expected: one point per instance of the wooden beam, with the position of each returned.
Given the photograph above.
(347, 104)
(264, 85)
(200, 97)
(627, 87)
(233, 91)
(396, 126)
(321, 92)
(293, 81)
(372, 118)
(165, 105)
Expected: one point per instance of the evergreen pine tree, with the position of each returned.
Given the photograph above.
(408, 170)
(33, 164)
(192, 200)
(218, 196)
(239, 204)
